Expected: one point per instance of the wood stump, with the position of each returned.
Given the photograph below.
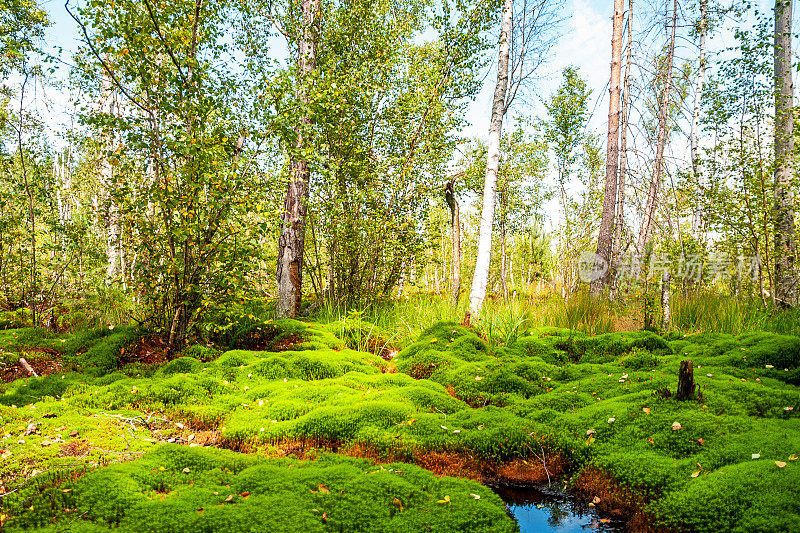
(685, 381)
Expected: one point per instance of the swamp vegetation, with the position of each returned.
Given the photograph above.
(303, 431)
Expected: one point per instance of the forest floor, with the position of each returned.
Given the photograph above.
(301, 433)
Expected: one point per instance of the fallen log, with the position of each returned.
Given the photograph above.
(28, 368)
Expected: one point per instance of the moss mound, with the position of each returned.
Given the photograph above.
(595, 403)
(190, 489)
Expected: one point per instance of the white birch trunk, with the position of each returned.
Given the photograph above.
(484, 255)
(697, 219)
(785, 231)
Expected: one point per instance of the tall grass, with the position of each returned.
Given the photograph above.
(707, 312)
(502, 322)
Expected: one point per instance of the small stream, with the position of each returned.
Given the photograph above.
(538, 510)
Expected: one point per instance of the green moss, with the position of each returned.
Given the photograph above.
(190, 489)
(200, 352)
(456, 394)
(764, 499)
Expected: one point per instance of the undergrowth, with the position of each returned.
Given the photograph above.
(588, 401)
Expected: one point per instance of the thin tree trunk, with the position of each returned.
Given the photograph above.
(293, 222)
(785, 238)
(663, 115)
(697, 221)
(503, 259)
(623, 151)
(484, 254)
(31, 212)
(665, 309)
(602, 275)
(455, 222)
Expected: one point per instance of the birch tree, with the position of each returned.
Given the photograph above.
(785, 239)
(661, 140)
(484, 254)
(605, 237)
(524, 44)
(619, 223)
(293, 221)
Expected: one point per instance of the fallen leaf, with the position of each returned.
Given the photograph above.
(756, 456)
(604, 520)
(443, 427)
(611, 420)
(67, 490)
(676, 426)
(245, 494)
(323, 489)
(793, 457)
(768, 366)
(695, 473)
(475, 496)
(446, 500)
(229, 498)
(186, 470)
(596, 500)
(397, 503)
(701, 441)
(780, 464)
(478, 378)
(590, 432)
(646, 410)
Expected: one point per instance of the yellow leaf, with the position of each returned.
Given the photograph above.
(780, 464)
(695, 473)
(446, 500)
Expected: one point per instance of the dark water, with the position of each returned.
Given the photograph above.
(545, 510)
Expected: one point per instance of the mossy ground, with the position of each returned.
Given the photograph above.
(553, 401)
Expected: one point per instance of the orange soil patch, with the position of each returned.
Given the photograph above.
(614, 499)
(43, 360)
(147, 350)
(287, 343)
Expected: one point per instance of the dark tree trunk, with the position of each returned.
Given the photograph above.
(293, 221)
(685, 381)
(455, 219)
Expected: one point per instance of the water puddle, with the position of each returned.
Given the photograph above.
(544, 510)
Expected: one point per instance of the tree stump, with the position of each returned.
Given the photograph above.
(685, 381)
